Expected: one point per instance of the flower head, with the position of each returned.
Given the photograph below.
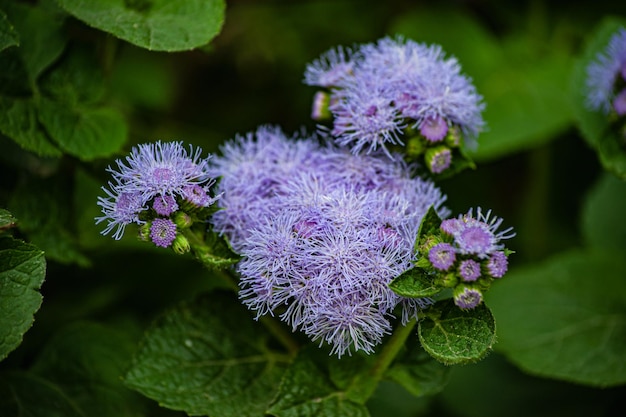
(442, 256)
(162, 232)
(469, 270)
(498, 264)
(322, 232)
(467, 298)
(603, 74)
(478, 235)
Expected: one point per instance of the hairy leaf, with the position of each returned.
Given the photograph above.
(455, 336)
(414, 283)
(22, 271)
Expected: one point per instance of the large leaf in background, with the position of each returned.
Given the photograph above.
(517, 85)
(208, 357)
(8, 35)
(594, 125)
(160, 25)
(603, 223)
(566, 318)
(22, 271)
(313, 387)
(86, 361)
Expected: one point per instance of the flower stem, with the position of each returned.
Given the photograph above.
(364, 385)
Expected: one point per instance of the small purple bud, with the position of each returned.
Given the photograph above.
(162, 232)
(164, 205)
(197, 196)
(619, 103)
(469, 270)
(467, 298)
(451, 226)
(442, 256)
(438, 159)
(434, 129)
(498, 264)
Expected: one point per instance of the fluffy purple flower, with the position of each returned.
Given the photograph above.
(469, 270)
(498, 264)
(603, 74)
(467, 298)
(442, 256)
(322, 232)
(381, 88)
(162, 232)
(153, 175)
(479, 235)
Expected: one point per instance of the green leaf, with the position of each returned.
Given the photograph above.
(428, 226)
(418, 372)
(414, 283)
(22, 271)
(566, 318)
(41, 36)
(594, 125)
(26, 394)
(86, 361)
(603, 214)
(160, 25)
(6, 219)
(454, 336)
(85, 132)
(18, 121)
(8, 35)
(208, 357)
(308, 389)
(214, 251)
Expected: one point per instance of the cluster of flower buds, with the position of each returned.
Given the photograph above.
(397, 92)
(163, 189)
(606, 79)
(465, 254)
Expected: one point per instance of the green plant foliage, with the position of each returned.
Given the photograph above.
(158, 25)
(207, 357)
(6, 219)
(8, 35)
(455, 336)
(603, 214)
(22, 271)
(414, 283)
(565, 318)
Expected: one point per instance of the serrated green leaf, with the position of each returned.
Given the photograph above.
(18, 121)
(594, 125)
(26, 394)
(85, 132)
(603, 214)
(86, 361)
(159, 25)
(417, 371)
(6, 219)
(454, 336)
(308, 390)
(566, 318)
(208, 357)
(41, 37)
(22, 271)
(414, 283)
(8, 35)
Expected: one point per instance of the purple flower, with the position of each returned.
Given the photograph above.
(619, 103)
(479, 235)
(603, 74)
(466, 297)
(381, 88)
(469, 270)
(442, 256)
(153, 175)
(438, 159)
(162, 232)
(322, 232)
(497, 264)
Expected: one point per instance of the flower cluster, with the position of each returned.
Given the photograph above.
(606, 77)
(466, 254)
(322, 232)
(158, 186)
(379, 93)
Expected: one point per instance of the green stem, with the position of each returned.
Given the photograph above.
(364, 385)
(202, 253)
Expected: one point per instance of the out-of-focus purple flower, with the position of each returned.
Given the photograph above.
(120, 209)
(442, 256)
(604, 72)
(619, 103)
(379, 89)
(164, 205)
(466, 297)
(438, 159)
(498, 264)
(469, 270)
(162, 232)
(322, 232)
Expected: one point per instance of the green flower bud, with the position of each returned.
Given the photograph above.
(415, 146)
(438, 159)
(320, 110)
(144, 231)
(181, 244)
(182, 220)
(453, 138)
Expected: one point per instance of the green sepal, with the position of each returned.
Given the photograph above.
(415, 283)
(454, 336)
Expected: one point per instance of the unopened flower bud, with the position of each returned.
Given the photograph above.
(453, 138)
(320, 111)
(181, 245)
(182, 220)
(466, 297)
(438, 159)
(415, 146)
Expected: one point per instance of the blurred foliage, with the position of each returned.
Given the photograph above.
(73, 97)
